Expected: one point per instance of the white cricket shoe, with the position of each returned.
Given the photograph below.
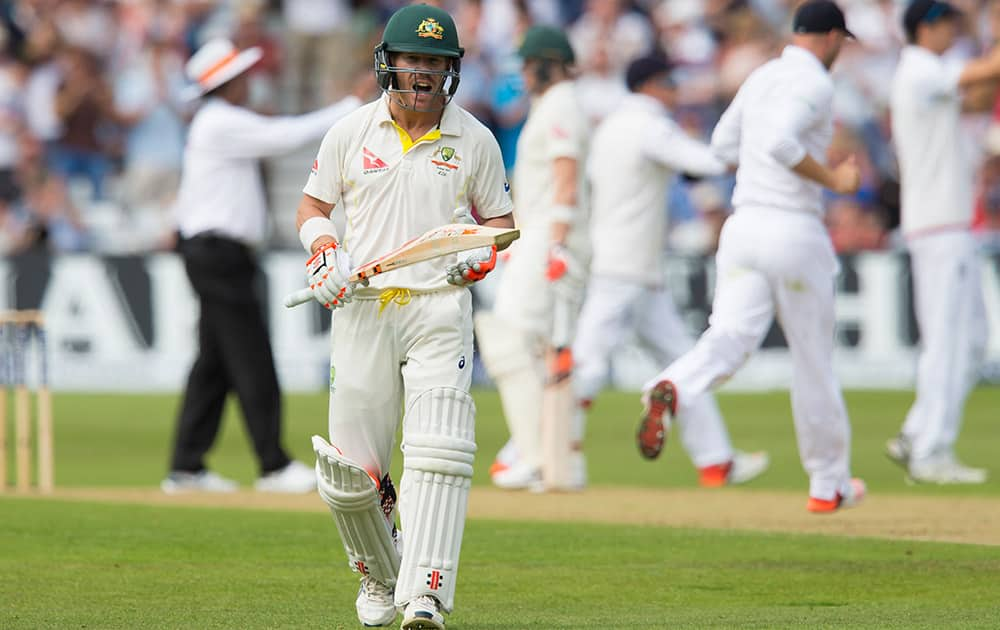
(944, 468)
(375, 604)
(853, 493)
(898, 450)
(422, 613)
(520, 476)
(178, 482)
(295, 478)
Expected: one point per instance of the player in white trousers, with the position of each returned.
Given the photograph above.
(546, 272)
(937, 206)
(635, 154)
(775, 256)
(403, 343)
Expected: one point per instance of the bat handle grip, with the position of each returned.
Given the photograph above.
(299, 297)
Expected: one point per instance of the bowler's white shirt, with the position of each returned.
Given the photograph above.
(221, 190)
(936, 178)
(390, 196)
(634, 155)
(556, 128)
(781, 113)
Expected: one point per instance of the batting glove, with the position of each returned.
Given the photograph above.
(327, 272)
(559, 262)
(472, 266)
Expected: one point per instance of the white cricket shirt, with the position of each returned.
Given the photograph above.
(556, 128)
(633, 156)
(221, 190)
(781, 113)
(393, 188)
(936, 179)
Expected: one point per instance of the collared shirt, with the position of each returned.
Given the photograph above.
(556, 128)
(781, 113)
(221, 190)
(393, 188)
(635, 153)
(936, 181)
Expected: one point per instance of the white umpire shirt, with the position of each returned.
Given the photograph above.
(634, 155)
(936, 178)
(782, 112)
(221, 190)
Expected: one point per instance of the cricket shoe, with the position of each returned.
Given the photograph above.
(294, 478)
(740, 469)
(855, 493)
(423, 613)
(945, 469)
(375, 604)
(898, 449)
(520, 476)
(178, 482)
(654, 426)
(505, 458)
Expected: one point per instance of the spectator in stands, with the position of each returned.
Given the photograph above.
(318, 32)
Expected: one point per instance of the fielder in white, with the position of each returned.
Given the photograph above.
(937, 206)
(398, 167)
(635, 153)
(541, 289)
(775, 256)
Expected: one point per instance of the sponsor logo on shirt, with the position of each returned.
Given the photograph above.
(372, 163)
(448, 162)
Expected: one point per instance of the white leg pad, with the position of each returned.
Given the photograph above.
(354, 501)
(516, 366)
(438, 450)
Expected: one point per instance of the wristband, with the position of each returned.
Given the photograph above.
(313, 228)
(562, 213)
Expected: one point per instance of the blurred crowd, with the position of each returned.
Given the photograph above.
(93, 110)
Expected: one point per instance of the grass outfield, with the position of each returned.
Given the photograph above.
(125, 440)
(85, 564)
(80, 565)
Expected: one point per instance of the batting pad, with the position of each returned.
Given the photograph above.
(518, 371)
(438, 449)
(354, 501)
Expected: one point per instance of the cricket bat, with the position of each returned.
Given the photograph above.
(558, 401)
(440, 241)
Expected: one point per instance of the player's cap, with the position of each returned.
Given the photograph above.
(422, 29)
(215, 63)
(820, 16)
(546, 42)
(643, 69)
(925, 11)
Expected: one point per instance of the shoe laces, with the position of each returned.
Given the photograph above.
(376, 590)
(427, 602)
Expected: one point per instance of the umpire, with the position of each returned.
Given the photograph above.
(221, 215)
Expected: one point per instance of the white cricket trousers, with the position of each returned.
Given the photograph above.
(381, 361)
(951, 316)
(614, 309)
(777, 262)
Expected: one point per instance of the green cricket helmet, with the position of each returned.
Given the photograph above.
(420, 29)
(546, 43)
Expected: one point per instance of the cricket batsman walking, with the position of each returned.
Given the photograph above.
(541, 290)
(775, 256)
(402, 345)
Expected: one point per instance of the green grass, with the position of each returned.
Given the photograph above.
(80, 565)
(125, 440)
(90, 565)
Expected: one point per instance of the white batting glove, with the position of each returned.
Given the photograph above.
(327, 272)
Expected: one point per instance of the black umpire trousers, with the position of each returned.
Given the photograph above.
(234, 355)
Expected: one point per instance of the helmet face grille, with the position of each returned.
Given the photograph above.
(386, 73)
